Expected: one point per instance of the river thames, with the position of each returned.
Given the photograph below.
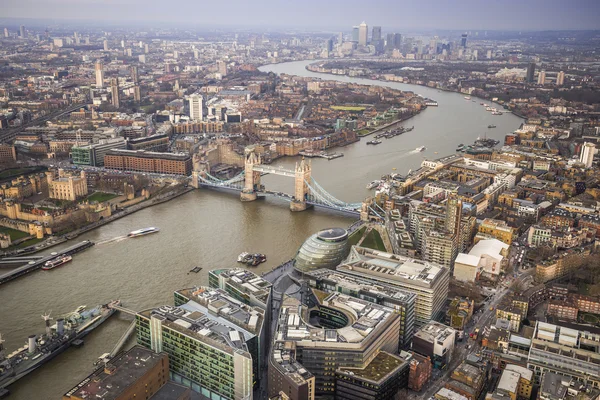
(209, 229)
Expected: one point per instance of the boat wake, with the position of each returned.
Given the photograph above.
(113, 240)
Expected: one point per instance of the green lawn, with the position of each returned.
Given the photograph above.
(373, 241)
(101, 196)
(590, 318)
(363, 132)
(356, 235)
(13, 233)
(28, 243)
(348, 108)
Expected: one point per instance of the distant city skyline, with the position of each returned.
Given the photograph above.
(335, 14)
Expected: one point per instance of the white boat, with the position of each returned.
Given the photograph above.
(488, 108)
(243, 256)
(467, 98)
(421, 148)
(142, 232)
(373, 184)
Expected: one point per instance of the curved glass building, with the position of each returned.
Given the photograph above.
(324, 249)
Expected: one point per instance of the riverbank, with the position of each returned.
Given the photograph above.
(54, 241)
(377, 77)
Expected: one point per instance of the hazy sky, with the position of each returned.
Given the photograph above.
(333, 14)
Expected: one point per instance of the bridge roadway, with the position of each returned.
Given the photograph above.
(35, 265)
(283, 196)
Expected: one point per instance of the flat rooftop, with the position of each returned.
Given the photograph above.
(149, 154)
(125, 369)
(395, 267)
(434, 331)
(246, 281)
(193, 320)
(357, 284)
(379, 369)
(221, 303)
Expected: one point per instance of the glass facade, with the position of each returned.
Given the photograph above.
(325, 249)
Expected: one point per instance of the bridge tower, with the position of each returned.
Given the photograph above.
(303, 173)
(251, 177)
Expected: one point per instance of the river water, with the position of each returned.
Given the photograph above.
(209, 229)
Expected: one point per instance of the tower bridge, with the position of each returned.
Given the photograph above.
(307, 191)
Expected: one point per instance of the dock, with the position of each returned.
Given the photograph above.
(37, 264)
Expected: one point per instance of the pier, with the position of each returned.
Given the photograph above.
(35, 265)
(130, 330)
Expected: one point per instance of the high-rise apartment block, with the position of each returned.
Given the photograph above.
(114, 91)
(99, 69)
(195, 102)
(586, 156)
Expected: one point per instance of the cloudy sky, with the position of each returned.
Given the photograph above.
(333, 14)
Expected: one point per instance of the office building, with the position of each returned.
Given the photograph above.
(137, 373)
(541, 78)
(436, 341)
(389, 42)
(324, 249)
(568, 352)
(397, 40)
(158, 142)
(99, 74)
(244, 286)
(560, 78)
(66, 186)
(428, 281)
(248, 319)
(402, 302)
(376, 35)
(385, 375)
(114, 91)
(6, 35)
(340, 39)
(195, 102)
(463, 40)
(206, 353)
(329, 45)
(93, 154)
(530, 72)
(22, 31)
(105, 44)
(355, 34)
(344, 332)
(586, 157)
(420, 370)
(147, 161)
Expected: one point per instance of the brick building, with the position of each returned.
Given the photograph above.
(146, 161)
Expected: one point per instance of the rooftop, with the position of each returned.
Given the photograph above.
(434, 331)
(357, 284)
(194, 321)
(379, 369)
(219, 302)
(509, 381)
(395, 267)
(246, 281)
(110, 381)
(149, 154)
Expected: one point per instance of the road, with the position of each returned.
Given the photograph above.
(480, 319)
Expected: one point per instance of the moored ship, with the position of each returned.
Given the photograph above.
(421, 148)
(142, 232)
(57, 262)
(57, 338)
